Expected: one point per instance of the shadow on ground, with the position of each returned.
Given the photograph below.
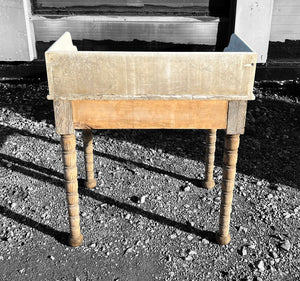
(53, 177)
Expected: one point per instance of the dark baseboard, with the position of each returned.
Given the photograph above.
(278, 70)
(23, 70)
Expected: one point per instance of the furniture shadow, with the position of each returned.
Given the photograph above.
(6, 131)
(56, 178)
(59, 236)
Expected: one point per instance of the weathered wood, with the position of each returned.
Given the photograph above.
(150, 75)
(211, 137)
(149, 114)
(236, 117)
(89, 159)
(200, 30)
(253, 24)
(63, 117)
(68, 144)
(229, 169)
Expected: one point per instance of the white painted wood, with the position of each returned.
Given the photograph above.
(74, 75)
(17, 42)
(184, 30)
(253, 24)
(286, 20)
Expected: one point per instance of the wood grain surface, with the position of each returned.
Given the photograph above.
(236, 120)
(68, 143)
(63, 117)
(229, 169)
(149, 114)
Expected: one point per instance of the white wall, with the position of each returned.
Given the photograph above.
(17, 41)
(285, 20)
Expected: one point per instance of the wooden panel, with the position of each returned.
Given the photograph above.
(253, 24)
(150, 75)
(63, 117)
(236, 117)
(286, 20)
(150, 114)
(184, 30)
(16, 32)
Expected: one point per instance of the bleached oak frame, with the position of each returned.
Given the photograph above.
(150, 90)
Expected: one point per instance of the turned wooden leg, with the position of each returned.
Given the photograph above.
(89, 159)
(210, 158)
(68, 144)
(229, 168)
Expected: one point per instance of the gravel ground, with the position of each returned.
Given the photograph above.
(149, 218)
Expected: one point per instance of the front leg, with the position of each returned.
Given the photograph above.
(68, 144)
(229, 169)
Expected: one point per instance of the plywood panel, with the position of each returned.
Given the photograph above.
(150, 114)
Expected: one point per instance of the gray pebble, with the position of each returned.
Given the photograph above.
(286, 245)
(244, 251)
(205, 241)
(261, 266)
(190, 237)
(273, 254)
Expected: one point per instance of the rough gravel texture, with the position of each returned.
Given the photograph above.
(149, 218)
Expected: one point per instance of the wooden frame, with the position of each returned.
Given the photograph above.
(146, 90)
